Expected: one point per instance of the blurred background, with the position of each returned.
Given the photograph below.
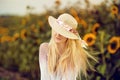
(24, 26)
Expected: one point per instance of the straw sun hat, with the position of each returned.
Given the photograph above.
(66, 25)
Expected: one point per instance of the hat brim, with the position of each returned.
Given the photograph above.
(59, 29)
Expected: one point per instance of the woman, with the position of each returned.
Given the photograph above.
(64, 57)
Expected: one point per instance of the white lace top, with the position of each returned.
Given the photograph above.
(45, 75)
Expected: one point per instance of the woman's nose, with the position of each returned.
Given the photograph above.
(57, 34)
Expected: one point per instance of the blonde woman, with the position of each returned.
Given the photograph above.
(64, 57)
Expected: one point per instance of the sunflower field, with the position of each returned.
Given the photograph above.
(21, 36)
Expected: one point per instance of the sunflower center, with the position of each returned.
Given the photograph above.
(89, 39)
(96, 29)
(113, 45)
(114, 9)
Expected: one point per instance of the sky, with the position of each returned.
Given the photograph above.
(18, 7)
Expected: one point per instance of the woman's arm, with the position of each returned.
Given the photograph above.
(43, 61)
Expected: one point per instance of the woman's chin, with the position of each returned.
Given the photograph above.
(57, 41)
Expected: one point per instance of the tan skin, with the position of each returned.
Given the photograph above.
(60, 41)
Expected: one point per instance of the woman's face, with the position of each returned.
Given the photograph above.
(59, 38)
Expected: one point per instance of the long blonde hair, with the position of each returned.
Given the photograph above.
(74, 56)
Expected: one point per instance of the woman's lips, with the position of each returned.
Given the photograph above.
(58, 38)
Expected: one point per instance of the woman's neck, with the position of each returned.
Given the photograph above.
(61, 47)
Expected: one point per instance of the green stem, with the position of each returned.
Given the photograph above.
(102, 46)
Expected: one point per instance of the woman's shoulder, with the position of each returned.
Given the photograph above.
(44, 45)
(43, 49)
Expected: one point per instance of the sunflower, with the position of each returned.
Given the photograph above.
(15, 36)
(90, 39)
(73, 12)
(83, 23)
(114, 10)
(95, 28)
(57, 2)
(23, 34)
(6, 39)
(79, 20)
(119, 41)
(4, 31)
(113, 45)
(33, 28)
